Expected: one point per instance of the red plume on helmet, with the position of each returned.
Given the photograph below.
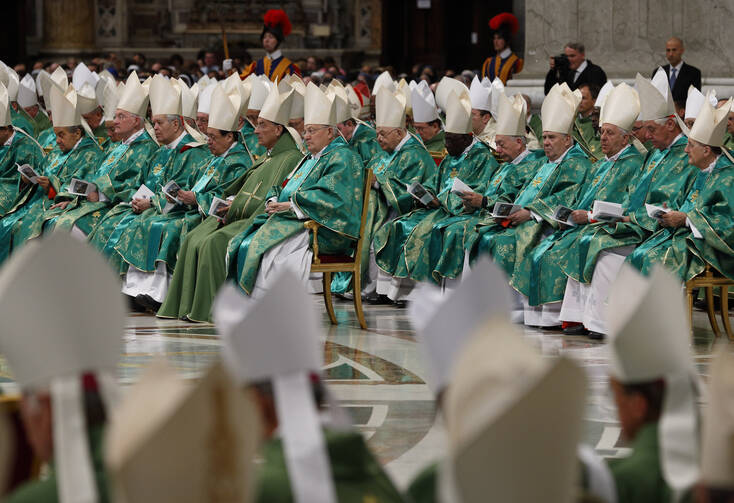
(505, 21)
(276, 20)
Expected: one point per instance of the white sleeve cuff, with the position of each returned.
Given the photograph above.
(536, 217)
(299, 214)
(696, 233)
(272, 200)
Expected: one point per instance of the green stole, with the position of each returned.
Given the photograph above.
(533, 188)
(111, 160)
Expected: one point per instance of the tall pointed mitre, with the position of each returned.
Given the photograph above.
(58, 78)
(621, 107)
(80, 335)
(383, 80)
(277, 106)
(27, 96)
(480, 95)
(424, 103)
(494, 104)
(134, 98)
(341, 100)
(5, 117)
(107, 97)
(170, 440)
(42, 74)
(404, 89)
(444, 88)
(656, 100)
(603, 93)
(165, 98)
(225, 109)
(318, 107)
(717, 451)
(86, 98)
(10, 79)
(63, 106)
(205, 99)
(710, 125)
(500, 389)
(443, 322)
(83, 75)
(189, 97)
(260, 89)
(649, 337)
(458, 113)
(299, 96)
(389, 108)
(695, 100)
(558, 112)
(287, 358)
(512, 115)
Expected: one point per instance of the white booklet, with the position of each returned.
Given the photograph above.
(655, 211)
(171, 189)
(459, 188)
(419, 192)
(143, 193)
(27, 171)
(563, 215)
(610, 212)
(81, 188)
(216, 206)
(504, 210)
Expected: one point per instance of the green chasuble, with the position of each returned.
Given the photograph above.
(358, 477)
(46, 491)
(47, 139)
(201, 268)
(326, 188)
(729, 142)
(475, 167)
(155, 236)
(540, 276)
(393, 173)
(364, 142)
(250, 141)
(667, 178)
(451, 237)
(584, 133)
(20, 149)
(41, 122)
(536, 126)
(117, 178)
(22, 120)
(554, 184)
(639, 476)
(25, 218)
(168, 164)
(710, 208)
(437, 145)
(424, 487)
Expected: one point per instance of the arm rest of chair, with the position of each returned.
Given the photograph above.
(313, 226)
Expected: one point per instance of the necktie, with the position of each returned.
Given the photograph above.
(673, 76)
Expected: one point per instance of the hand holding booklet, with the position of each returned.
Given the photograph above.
(460, 188)
(171, 189)
(27, 171)
(419, 192)
(504, 210)
(655, 211)
(608, 212)
(81, 188)
(563, 215)
(218, 208)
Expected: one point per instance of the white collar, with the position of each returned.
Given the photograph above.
(318, 155)
(711, 166)
(677, 68)
(560, 158)
(467, 149)
(175, 142)
(616, 156)
(9, 140)
(355, 129)
(275, 54)
(77, 144)
(505, 54)
(582, 67)
(522, 155)
(674, 140)
(402, 142)
(230, 148)
(133, 136)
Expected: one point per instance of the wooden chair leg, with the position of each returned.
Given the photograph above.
(725, 311)
(357, 291)
(711, 311)
(327, 297)
(689, 299)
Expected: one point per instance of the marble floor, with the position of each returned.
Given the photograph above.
(379, 375)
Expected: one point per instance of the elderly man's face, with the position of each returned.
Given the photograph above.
(659, 134)
(389, 138)
(427, 130)
(267, 132)
(730, 123)
(166, 131)
(575, 58)
(202, 122)
(297, 124)
(555, 144)
(126, 123)
(509, 147)
(699, 155)
(32, 111)
(347, 128)
(612, 139)
(219, 143)
(94, 118)
(317, 136)
(66, 139)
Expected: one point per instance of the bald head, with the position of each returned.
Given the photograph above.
(674, 51)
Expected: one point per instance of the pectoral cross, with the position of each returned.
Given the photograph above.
(453, 173)
(537, 182)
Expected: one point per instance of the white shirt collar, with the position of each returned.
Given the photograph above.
(521, 156)
(275, 54)
(616, 156)
(318, 155)
(402, 142)
(467, 149)
(677, 68)
(675, 140)
(582, 67)
(77, 143)
(506, 53)
(226, 152)
(9, 140)
(355, 129)
(175, 142)
(711, 166)
(134, 136)
(560, 158)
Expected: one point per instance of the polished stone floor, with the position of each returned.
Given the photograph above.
(379, 375)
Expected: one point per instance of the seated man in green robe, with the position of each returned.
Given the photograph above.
(653, 382)
(700, 233)
(201, 267)
(426, 121)
(259, 88)
(28, 102)
(361, 137)
(9, 78)
(310, 452)
(326, 187)
(540, 276)
(76, 153)
(16, 147)
(665, 179)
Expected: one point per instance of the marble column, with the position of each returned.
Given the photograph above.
(68, 25)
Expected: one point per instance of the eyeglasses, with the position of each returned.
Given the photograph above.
(313, 130)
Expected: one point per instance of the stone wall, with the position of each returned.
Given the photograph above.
(628, 36)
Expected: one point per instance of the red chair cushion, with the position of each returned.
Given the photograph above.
(333, 259)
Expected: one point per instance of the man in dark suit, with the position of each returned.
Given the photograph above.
(578, 71)
(683, 76)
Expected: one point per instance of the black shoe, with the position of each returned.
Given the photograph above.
(133, 305)
(576, 330)
(401, 304)
(380, 300)
(148, 303)
(596, 336)
(703, 305)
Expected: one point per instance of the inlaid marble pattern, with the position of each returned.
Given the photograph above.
(380, 375)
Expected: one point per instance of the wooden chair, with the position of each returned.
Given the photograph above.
(708, 280)
(25, 466)
(328, 264)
